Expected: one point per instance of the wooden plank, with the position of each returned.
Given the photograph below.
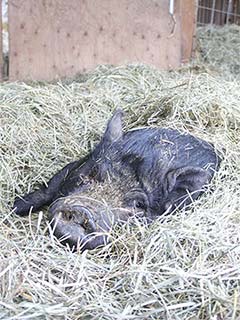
(54, 38)
(1, 44)
(188, 12)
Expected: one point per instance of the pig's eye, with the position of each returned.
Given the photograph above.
(140, 204)
(136, 198)
(69, 216)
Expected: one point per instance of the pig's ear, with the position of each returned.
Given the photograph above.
(114, 128)
(186, 178)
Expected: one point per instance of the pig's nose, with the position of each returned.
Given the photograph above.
(74, 215)
(81, 216)
(76, 225)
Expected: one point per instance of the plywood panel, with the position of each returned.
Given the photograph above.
(56, 38)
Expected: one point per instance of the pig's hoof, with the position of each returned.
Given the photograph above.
(76, 227)
(136, 198)
(21, 206)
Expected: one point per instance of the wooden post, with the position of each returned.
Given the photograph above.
(229, 11)
(188, 11)
(213, 12)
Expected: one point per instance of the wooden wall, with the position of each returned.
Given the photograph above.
(49, 39)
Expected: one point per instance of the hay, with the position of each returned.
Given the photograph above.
(219, 47)
(184, 267)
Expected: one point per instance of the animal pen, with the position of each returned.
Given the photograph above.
(70, 67)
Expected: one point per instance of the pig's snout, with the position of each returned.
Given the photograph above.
(75, 224)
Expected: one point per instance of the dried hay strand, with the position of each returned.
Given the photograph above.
(186, 266)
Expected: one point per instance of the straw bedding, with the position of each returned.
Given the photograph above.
(220, 48)
(184, 267)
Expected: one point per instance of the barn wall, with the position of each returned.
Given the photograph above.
(56, 38)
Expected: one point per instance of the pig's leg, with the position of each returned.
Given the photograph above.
(45, 194)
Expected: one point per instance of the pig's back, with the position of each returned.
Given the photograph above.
(168, 147)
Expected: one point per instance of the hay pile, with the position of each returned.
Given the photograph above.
(185, 267)
(220, 48)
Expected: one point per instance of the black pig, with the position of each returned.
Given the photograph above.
(157, 170)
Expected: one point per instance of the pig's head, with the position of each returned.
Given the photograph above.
(79, 219)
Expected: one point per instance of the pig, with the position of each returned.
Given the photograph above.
(156, 171)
